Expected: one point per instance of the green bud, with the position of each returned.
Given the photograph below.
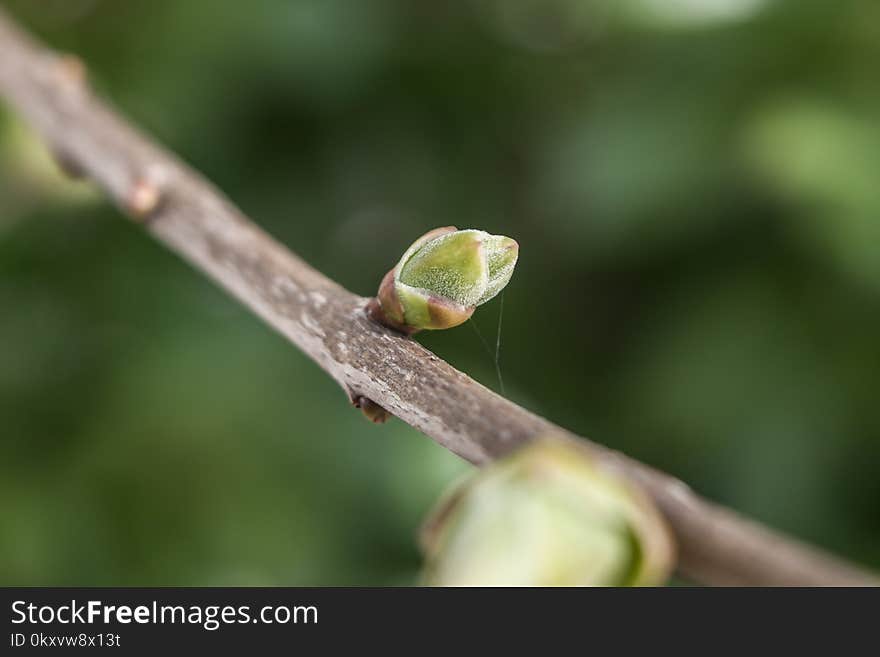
(443, 277)
(548, 515)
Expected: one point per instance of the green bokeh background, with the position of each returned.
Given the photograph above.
(694, 185)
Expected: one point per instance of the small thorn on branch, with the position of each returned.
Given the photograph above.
(371, 410)
(143, 199)
(147, 193)
(71, 70)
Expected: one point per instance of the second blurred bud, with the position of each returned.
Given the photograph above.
(548, 515)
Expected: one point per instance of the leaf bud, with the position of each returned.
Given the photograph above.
(442, 277)
(547, 515)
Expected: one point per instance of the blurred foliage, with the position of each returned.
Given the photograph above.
(693, 186)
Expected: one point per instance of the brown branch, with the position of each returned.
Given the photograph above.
(183, 210)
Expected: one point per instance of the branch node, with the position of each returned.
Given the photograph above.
(147, 192)
(143, 199)
(371, 410)
(71, 71)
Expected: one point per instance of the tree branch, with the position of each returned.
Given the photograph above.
(185, 212)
